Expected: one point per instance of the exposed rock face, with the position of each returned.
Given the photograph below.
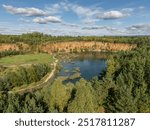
(70, 47)
(4, 47)
(20, 46)
(85, 46)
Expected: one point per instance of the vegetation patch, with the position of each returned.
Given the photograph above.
(75, 75)
(26, 59)
(18, 76)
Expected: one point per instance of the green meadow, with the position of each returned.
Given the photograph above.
(26, 59)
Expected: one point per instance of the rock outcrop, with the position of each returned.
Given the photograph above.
(70, 47)
(85, 46)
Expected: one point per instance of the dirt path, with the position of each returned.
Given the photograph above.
(52, 72)
(38, 86)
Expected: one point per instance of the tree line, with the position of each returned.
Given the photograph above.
(39, 38)
(10, 53)
(79, 97)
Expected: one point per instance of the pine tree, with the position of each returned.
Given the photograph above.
(121, 99)
(31, 105)
(14, 104)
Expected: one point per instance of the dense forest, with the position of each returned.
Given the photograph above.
(124, 86)
(128, 81)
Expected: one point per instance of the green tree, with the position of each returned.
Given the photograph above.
(121, 99)
(31, 105)
(84, 99)
(14, 104)
(58, 97)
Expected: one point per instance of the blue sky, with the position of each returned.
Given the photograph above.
(75, 17)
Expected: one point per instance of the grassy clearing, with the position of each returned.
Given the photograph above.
(26, 59)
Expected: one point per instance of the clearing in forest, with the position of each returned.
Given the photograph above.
(26, 59)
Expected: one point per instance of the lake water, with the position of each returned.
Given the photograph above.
(88, 65)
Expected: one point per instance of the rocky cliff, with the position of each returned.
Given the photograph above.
(17, 47)
(70, 47)
(85, 46)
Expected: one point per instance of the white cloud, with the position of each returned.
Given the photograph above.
(84, 11)
(45, 20)
(115, 14)
(86, 14)
(81, 11)
(24, 11)
(90, 15)
(111, 15)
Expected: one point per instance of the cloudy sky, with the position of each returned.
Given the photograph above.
(75, 17)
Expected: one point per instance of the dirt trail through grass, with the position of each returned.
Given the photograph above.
(41, 84)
